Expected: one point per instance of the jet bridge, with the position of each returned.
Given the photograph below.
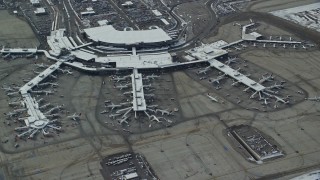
(278, 42)
(36, 119)
(246, 36)
(24, 89)
(18, 50)
(138, 102)
(236, 75)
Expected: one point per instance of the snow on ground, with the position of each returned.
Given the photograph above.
(307, 15)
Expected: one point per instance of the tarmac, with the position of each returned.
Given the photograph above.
(195, 147)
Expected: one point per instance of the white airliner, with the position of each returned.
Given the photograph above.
(8, 89)
(15, 103)
(163, 112)
(316, 98)
(103, 112)
(11, 114)
(13, 94)
(154, 118)
(212, 98)
(265, 101)
(147, 86)
(53, 76)
(204, 71)
(122, 110)
(113, 116)
(230, 60)
(123, 120)
(121, 87)
(266, 77)
(113, 106)
(149, 95)
(69, 72)
(217, 80)
(54, 109)
(118, 79)
(276, 86)
(46, 92)
(152, 76)
(75, 116)
(278, 99)
(44, 106)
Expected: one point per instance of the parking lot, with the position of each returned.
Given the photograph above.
(196, 144)
(126, 165)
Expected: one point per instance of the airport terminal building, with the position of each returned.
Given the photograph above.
(107, 35)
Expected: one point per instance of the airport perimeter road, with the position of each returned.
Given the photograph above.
(212, 22)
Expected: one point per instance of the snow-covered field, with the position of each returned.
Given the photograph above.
(307, 15)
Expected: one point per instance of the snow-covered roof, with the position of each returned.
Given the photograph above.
(58, 41)
(140, 61)
(156, 12)
(138, 102)
(40, 11)
(83, 55)
(165, 21)
(103, 22)
(34, 2)
(110, 35)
